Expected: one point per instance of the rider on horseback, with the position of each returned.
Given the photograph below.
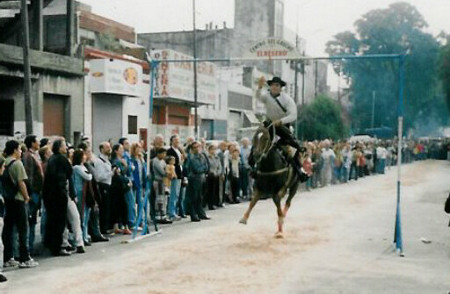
(281, 111)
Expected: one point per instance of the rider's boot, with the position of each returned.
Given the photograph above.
(295, 162)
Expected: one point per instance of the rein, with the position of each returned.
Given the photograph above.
(276, 172)
(269, 144)
(267, 148)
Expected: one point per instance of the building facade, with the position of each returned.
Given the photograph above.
(116, 84)
(56, 74)
(254, 21)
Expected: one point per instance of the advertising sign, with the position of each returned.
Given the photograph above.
(115, 76)
(176, 79)
(272, 48)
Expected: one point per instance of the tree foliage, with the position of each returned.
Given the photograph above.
(321, 119)
(397, 29)
(444, 71)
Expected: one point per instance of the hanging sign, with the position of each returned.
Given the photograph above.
(272, 48)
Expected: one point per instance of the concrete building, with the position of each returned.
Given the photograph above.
(116, 85)
(56, 73)
(254, 20)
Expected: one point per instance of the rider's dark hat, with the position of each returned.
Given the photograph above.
(276, 80)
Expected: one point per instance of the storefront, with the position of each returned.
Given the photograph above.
(174, 93)
(56, 95)
(116, 99)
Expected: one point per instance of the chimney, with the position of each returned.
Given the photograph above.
(224, 24)
(210, 25)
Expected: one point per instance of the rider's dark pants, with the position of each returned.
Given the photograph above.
(286, 137)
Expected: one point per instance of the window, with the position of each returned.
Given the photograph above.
(132, 125)
(239, 101)
(6, 117)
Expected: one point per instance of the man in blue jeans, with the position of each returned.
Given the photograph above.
(130, 198)
(15, 208)
(32, 163)
(175, 185)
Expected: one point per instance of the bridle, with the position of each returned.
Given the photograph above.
(270, 144)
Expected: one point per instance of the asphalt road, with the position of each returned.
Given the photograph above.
(338, 239)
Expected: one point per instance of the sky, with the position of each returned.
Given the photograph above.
(316, 21)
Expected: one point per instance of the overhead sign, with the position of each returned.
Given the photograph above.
(176, 79)
(272, 48)
(115, 76)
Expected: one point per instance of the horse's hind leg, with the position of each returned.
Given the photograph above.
(255, 198)
(277, 201)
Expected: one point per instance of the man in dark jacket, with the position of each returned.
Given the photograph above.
(197, 168)
(58, 187)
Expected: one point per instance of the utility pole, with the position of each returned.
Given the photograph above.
(26, 68)
(195, 72)
(303, 80)
(296, 65)
(70, 27)
(315, 79)
(373, 109)
(296, 84)
(339, 86)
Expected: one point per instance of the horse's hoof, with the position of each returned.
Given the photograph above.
(279, 235)
(243, 221)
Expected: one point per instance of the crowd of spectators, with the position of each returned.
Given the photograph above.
(78, 197)
(331, 162)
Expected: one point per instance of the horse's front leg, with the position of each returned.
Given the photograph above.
(255, 198)
(292, 192)
(277, 201)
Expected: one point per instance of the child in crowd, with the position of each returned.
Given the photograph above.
(170, 173)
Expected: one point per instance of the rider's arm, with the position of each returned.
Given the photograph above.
(260, 97)
(291, 113)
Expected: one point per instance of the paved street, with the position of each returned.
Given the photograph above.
(338, 240)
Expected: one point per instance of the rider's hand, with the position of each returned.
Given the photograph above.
(261, 82)
(277, 123)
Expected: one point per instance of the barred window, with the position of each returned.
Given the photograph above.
(6, 117)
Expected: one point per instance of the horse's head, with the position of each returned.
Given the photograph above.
(261, 142)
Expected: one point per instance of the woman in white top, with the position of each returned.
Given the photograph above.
(81, 176)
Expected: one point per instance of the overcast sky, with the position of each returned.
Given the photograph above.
(317, 20)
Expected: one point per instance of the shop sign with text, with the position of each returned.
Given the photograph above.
(176, 79)
(115, 77)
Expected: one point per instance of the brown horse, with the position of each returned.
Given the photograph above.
(273, 178)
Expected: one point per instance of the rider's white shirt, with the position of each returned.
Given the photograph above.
(274, 111)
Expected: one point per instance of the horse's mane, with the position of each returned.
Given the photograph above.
(261, 139)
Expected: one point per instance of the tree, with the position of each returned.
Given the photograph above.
(397, 29)
(444, 67)
(321, 119)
